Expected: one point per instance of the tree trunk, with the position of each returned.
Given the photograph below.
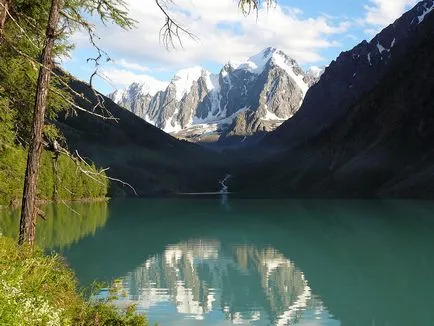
(4, 8)
(28, 211)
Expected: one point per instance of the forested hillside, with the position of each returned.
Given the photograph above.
(61, 177)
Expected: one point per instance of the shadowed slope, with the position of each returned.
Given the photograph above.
(150, 160)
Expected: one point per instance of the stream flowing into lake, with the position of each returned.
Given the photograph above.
(208, 261)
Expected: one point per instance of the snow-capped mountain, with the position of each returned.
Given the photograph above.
(243, 99)
(315, 71)
(366, 129)
(148, 87)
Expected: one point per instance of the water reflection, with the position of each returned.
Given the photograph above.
(224, 201)
(206, 280)
(63, 226)
(366, 262)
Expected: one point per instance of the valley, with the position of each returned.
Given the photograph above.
(282, 131)
(290, 185)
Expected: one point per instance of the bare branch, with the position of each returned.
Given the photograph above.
(171, 31)
(64, 203)
(91, 174)
(247, 7)
(75, 106)
(107, 10)
(80, 162)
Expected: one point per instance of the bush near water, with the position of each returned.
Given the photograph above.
(36, 289)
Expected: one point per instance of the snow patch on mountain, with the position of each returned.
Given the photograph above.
(284, 63)
(172, 124)
(269, 116)
(257, 63)
(150, 86)
(381, 48)
(117, 95)
(425, 12)
(315, 71)
(212, 81)
(148, 119)
(198, 99)
(184, 80)
(369, 58)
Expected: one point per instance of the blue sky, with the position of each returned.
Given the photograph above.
(314, 32)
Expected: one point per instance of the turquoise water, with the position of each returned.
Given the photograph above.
(262, 262)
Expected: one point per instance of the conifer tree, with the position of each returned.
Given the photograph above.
(63, 17)
(71, 12)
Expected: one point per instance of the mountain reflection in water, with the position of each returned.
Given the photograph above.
(205, 279)
(204, 261)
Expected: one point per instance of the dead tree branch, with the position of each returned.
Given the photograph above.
(171, 31)
(91, 174)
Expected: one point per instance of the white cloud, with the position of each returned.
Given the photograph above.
(131, 65)
(372, 31)
(384, 12)
(223, 33)
(120, 78)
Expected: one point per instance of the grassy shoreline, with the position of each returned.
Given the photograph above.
(40, 289)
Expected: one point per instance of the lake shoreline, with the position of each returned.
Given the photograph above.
(17, 204)
(44, 289)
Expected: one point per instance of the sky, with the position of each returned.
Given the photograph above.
(313, 32)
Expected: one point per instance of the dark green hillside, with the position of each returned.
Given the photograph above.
(383, 145)
(139, 153)
(59, 179)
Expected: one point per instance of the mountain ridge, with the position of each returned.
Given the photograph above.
(262, 91)
(380, 145)
(348, 77)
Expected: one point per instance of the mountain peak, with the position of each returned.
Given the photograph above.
(272, 56)
(243, 99)
(315, 71)
(184, 79)
(149, 86)
(268, 52)
(227, 68)
(258, 62)
(189, 72)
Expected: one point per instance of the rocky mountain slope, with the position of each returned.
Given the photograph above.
(349, 77)
(374, 122)
(242, 100)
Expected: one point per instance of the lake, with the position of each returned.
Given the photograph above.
(223, 261)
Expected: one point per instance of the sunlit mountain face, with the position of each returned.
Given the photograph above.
(207, 282)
